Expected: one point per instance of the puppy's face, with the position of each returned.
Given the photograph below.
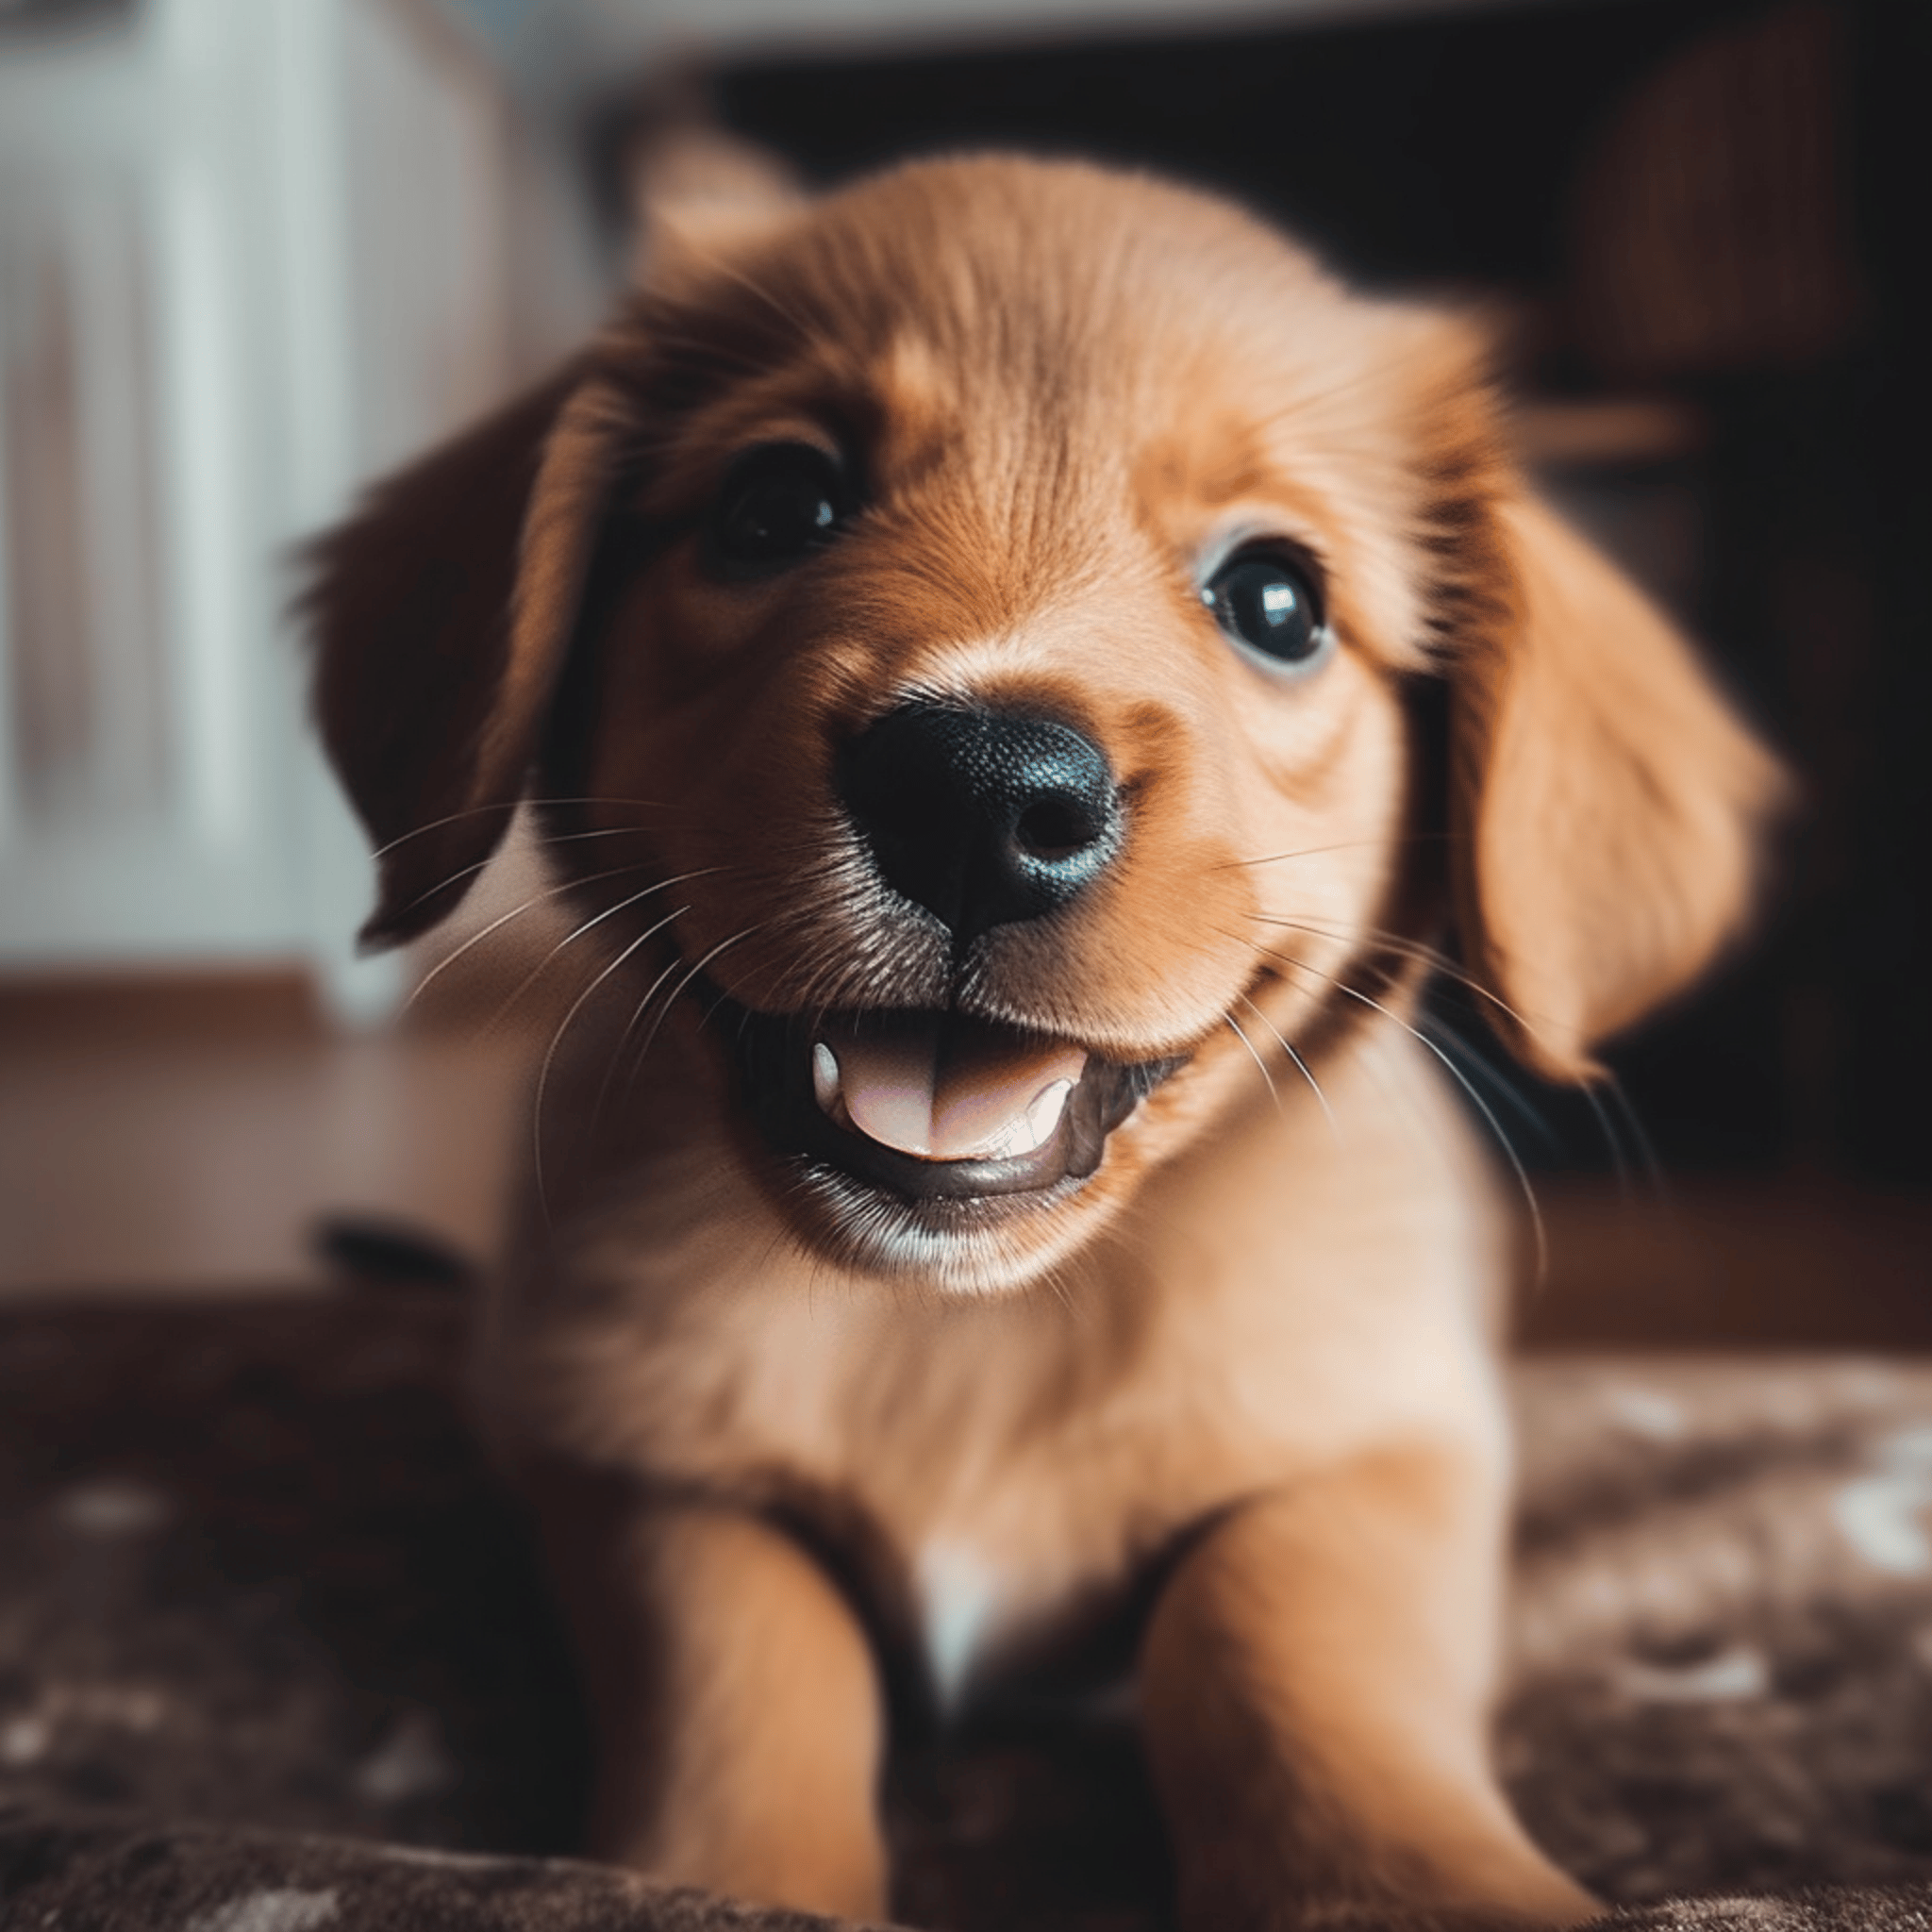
(988, 605)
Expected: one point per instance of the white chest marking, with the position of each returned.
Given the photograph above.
(959, 1595)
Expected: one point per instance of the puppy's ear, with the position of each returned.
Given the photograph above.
(701, 195)
(440, 613)
(1609, 801)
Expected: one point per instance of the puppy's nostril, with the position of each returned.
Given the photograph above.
(1056, 827)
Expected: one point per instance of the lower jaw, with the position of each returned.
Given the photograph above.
(977, 1246)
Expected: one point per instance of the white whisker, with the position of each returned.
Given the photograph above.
(1485, 1067)
(577, 1007)
(1234, 1026)
(477, 938)
(671, 998)
(1649, 1166)
(1536, 1216)
(1594, 1092)
(1318, 850)
(1301, 1066)
(442, 885)
(638, 1010)
(508, 812)
(1413, 950)
(542, 966)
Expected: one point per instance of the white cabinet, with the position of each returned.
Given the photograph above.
(252, 252)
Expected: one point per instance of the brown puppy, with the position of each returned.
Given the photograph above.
(1016, 666)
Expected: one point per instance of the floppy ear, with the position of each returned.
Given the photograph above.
(440, 613)
(700, 194)
(1607, 802)
(443, 609)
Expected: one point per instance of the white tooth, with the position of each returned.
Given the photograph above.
(1026, 1132)
(824, 1076)
(1043, 1116)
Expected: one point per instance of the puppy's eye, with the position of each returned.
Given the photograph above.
(1266, 604)
(779, 504)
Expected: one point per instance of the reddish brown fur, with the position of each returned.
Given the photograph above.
(1265, 1323)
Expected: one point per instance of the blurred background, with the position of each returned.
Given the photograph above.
(255, 252)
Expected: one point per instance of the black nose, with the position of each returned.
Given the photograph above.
(979, 816)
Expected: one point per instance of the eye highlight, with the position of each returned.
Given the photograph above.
(1264, 600)
(781, 502)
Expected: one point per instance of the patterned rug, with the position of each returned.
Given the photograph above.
(273, 1657)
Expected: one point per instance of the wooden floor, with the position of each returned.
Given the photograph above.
(187, 1137)
(171, 1135)
(1785, 1263)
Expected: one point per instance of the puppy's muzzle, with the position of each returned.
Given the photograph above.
(982, 817)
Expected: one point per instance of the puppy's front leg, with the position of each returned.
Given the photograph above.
(734, 1695)
(1315, 1683)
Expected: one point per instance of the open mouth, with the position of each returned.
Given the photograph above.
(936, 1106)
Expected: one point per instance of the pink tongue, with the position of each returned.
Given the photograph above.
(982, 1096)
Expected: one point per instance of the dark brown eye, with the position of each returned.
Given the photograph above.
(1266, 604)
(780, 504)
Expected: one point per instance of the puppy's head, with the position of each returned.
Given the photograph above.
(1000, 597)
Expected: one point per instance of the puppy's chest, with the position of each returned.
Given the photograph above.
(997, 1495)
(1001, 1474)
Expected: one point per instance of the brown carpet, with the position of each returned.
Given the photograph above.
(271, 1649)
